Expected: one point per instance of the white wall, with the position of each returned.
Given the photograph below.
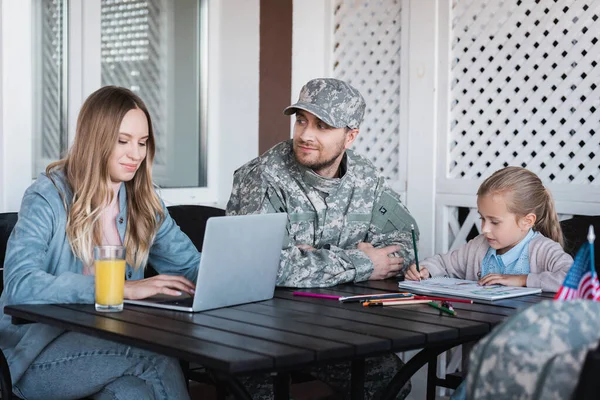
(16, 150)
(421, 90)
(1, 128)
(311, 42)
(233, 85)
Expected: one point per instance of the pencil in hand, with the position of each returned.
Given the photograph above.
(414, 240)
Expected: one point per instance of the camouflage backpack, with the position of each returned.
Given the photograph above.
(536, 354)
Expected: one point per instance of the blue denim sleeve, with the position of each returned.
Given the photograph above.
(34, 272)
(172, 252)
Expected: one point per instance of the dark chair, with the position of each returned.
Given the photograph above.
(575, 231)
(7, 223)
(192, 220)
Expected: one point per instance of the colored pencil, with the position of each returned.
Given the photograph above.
(393, 303)
(397, 295)
(452, 300)
(414, 240)
(316, 295)
(429, 298)
(443, 309)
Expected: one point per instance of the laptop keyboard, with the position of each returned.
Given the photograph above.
(187, 302)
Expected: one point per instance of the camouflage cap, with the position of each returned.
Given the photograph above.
(333, 101)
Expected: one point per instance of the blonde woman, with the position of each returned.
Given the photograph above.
(101, 193)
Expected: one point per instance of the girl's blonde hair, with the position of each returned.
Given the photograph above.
(87, 174)
(524, 194)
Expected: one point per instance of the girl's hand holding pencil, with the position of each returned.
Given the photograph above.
(412, 274)
(415, 272)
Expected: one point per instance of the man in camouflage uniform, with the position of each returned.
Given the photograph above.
(345, 223)
(537, 354)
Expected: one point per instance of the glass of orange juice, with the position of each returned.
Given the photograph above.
(109, 265)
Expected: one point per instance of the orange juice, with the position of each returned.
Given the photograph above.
(110, 281)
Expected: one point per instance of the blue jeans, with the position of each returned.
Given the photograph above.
(75, 366)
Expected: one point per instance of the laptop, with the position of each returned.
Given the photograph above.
(239, 264)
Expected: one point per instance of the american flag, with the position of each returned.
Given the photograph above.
(581, 281)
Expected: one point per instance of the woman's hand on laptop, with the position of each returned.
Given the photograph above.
(159, 284)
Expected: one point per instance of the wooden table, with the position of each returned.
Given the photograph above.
(497, 310)
(288, 332)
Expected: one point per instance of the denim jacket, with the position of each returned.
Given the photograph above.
(40, 266)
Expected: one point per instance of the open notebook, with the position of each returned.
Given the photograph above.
(464, 288)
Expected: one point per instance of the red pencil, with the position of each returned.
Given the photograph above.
(430, 298)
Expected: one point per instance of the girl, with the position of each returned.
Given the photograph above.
(521, 241)
(101, 193)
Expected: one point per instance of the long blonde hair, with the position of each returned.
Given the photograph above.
(525, 194)
(87, 174)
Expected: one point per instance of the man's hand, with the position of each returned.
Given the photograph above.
(413, 275)
(506, 280)
(159, 284)
(384, 266)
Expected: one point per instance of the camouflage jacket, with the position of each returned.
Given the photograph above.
(330, 215)
(537, 354)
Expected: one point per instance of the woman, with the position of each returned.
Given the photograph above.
(101, 193)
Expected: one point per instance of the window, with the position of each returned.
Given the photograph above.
(152, 48)
(149, 46)
(209, 148)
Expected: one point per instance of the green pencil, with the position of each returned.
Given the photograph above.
(444, 309)
(414, 237)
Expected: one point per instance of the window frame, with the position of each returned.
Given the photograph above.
(83, 76)
(231, 105)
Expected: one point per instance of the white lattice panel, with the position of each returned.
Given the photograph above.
(457, 232)
(367, 55)
(134, 56)
(524, 89)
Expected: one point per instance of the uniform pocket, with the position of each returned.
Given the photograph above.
(302, 228)
(355, 230)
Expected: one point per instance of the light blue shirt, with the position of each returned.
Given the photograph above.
(40, 267)
(514, 262)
